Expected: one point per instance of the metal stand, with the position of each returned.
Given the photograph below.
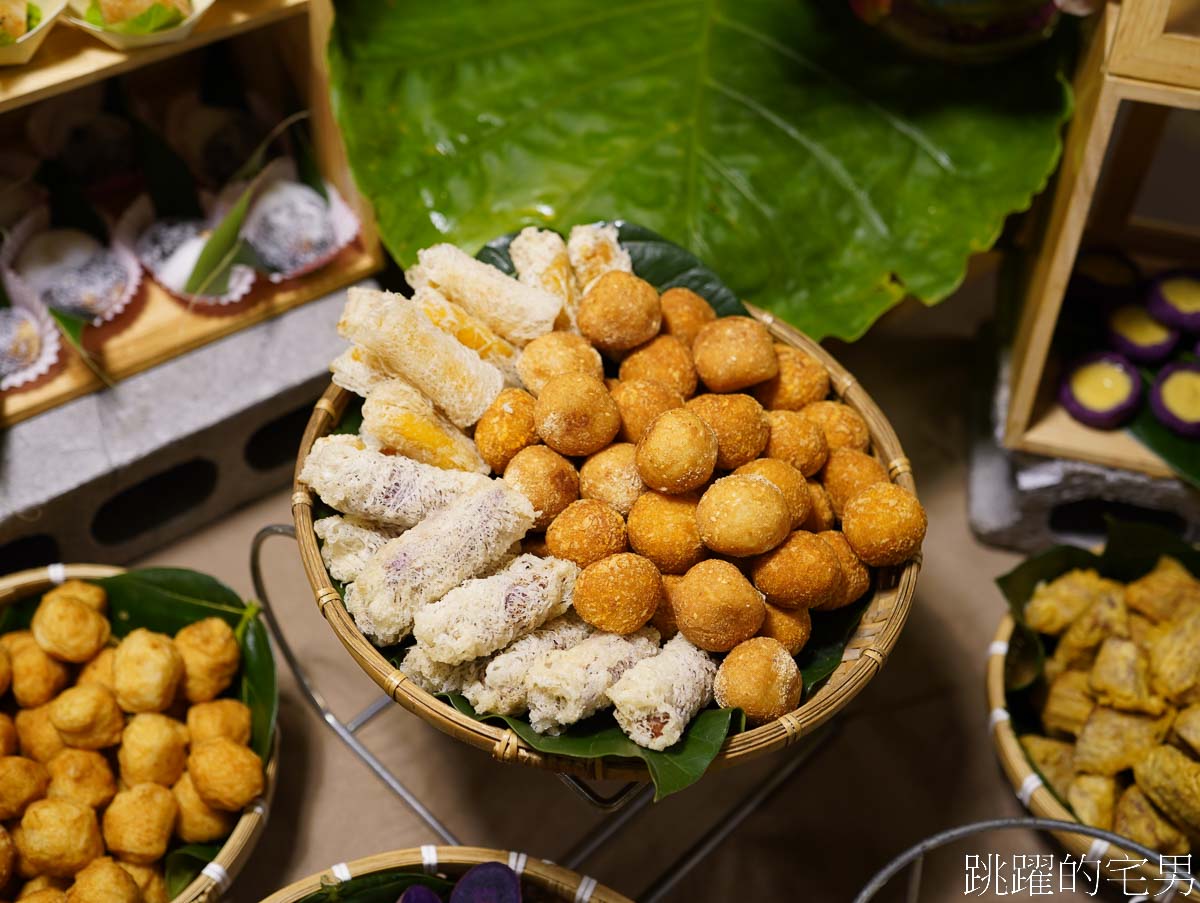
(625, 805)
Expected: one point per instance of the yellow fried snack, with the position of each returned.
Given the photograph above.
(848, 471)
(554, 354)
(733, 353)
(398, 419)
(198, 822)
(153, 750)
(1172, 782)
(1120, 678)
(1052, 758)
(139, 821)
(69, 630)
(1165, 593)
(36, 677)
(36, 735)
(684, 314)
(803, 572)
(470, 331)
(8, 857)
(1138, 819)
(761, 678)
(856, 578)
(22, 781)
(797, 441)
(585, 532)
(801, 380)
(506, 427)
(103, 881)
(99, 669)
(575, 415)
(788, 480)
(1068, 703)
(663, 528)
(1112, 741)
(210, 656)
(219, 718)
(1055, 605)
(791, 627)
(150, 881)
(884, 524)
(91, 595)
(541, 260)
(9, 740)
(820, 514)
(82, 776)
(619, 311)
(1107, 617)
(1093, 799)
(740, 424)
(742, 516)
(618, 594)
(87, 717)
(664, 359)
(546, 478)
(14, 640)
(1187, 727)
(59, 837)
(843, 426)
(43, 895)
(5, 671)
(147, 671)
(610, 475)
(1175, 658)
(226, 775)
(639, 402)
(677, 453)
(716, 607)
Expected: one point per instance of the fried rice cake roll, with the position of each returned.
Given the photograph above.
(397, 419)
(357, 370)
(569, 685)
(1052, 759)
(657, 698)
(1175, 658)
(1120, 678)
(1138, 819)
(500, 688)
(1068, 703)
(487, 613)
(517, 312)
(1172, 782)
(455, 544)
(387, 489)
(437, 677)
(1055, 605)
(1093, 799)
(408, 345)
(1112, 741)
(594, 250)
(541, 259)
(453, 320)
(1166, 593)
(347, 543)
(1187, 727)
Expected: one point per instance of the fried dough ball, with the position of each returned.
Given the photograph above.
(663, 619)
(91, 595)
(843, 426)
(663, 528)
(68, 630)
(684, 313)
(153, 750)
(8, 857)
(506, 427)
(43, 895)
(732, 353)
(664, 359)
(5, 671)
(13, 640)
(147, 670)
(856, 579)
(103, 881)
(554, 354)
(139, 821)
(790, 627)
(798, 441)
(716, 607)
(885, 524)
(639, 402)
(742, 516)
(227, 775)
(847, 471)
(82, 776)
(678, 452)
(9, 742)
(59, 837)
(88, 717)
(99, 669)
(546, 478)
(820, 516)
(789, 481)
(803, 572)
(801, 380)
(618, 594)
(760, 678)
(586, 531)
(36, 735)
(619, 312)
(21, 866)
(575, 415)
(211, 657)
(196, 821)
(739, 423)
(611, 476)
(149, 879)
(219, 718)
(36, 677)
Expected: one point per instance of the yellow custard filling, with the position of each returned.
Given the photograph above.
(1100, 385)
(1181, 394)
(1183, 292)
(1138, 326)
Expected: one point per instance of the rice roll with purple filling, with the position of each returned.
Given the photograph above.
(657, 698)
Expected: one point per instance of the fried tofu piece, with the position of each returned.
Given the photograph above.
(1068, 703)
(1053, 759)
(1175, 658)
(1172, 782)
(211, 658)
(1093, 799)
(139, 822)
(1055, 605)
(1137, 819)
(1120, 678)
(1187, 727)
(1166, 593)
(1112, 741)
(226, 775)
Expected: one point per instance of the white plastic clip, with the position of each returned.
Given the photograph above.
(429, 858)
(998, 647)
(341, 873)
(57, 572)
(1028, 786)
(516, 862)
(584, 892)
(997, 716)
(216, 873)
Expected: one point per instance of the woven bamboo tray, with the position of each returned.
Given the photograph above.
(205, 888)
(865, 654)
(452, 862)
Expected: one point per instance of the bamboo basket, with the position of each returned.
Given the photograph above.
(452, 862)
(864, 656)
(210, 885)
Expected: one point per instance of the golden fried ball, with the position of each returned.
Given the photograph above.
(36, 734)
(846, 472)
(8, 857)
(856, 579)
(798, 441)
(91, 595)
(68, 629)
(9, 741)
(36, 677)
(88, 717)
(149, 879)
(226, 775)
(791, 627)
(139, 821)
(43, 895)
(678, 452)
(554, 354)
(885, 524)
(82, 776)
(59, 837)
(21, 866)
(5, 671)
(664, 359)
(760, 678)
(684, 313)
(639, 402)
(103, 881)
(506, 427)
(820, 516)
(99, 669)
(801, 380)
(803, 572)
(742, 515)
(586, 531)
(575, 415)
(211, 657)
(663, 528)
(544, 477)
(198, 822)
(789, 481)
(153, 750)
(611, 476)
(219, 718)
(663, 619)
(843, 426)
(147, 671)
(740, 424)
(716, 607)
(15, 639)
(733, 353)
(618, 594)
(619, 312)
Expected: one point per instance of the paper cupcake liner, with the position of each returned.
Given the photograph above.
(118, 41)
(51, 347)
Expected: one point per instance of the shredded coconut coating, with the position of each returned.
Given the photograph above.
(567, 686)
(659, 696)
(471, 331)
(516, 311)
(357, 370)
(500, 689)
(436, 677)
(488, 613)
(408, 345)
(455, 544)
(398, 418)
(541, 259)
(384, 488)
(594, 251)
(347, 543)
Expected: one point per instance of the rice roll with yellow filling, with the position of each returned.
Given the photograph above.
(347, 544)
(357, 370)
(657, 698)
(541, 259)
(453, 320)
(399, 419)
(594, 250)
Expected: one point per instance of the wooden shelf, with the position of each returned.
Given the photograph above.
(1057, 434)
(71, 58)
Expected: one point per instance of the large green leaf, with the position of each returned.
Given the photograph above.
(380, 887)
(825, 173)
(826, 645)
(184, 863)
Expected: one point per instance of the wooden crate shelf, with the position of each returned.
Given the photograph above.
(1057, 434)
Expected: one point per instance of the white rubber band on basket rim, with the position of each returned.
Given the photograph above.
(1098, 848)
(57, 572)
(516, 862)
(1028, 787)
(997, 716)
(998, 647)
(259, 807)
(584, 892)
(216, 873)
(429, 858)
(341, 872)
